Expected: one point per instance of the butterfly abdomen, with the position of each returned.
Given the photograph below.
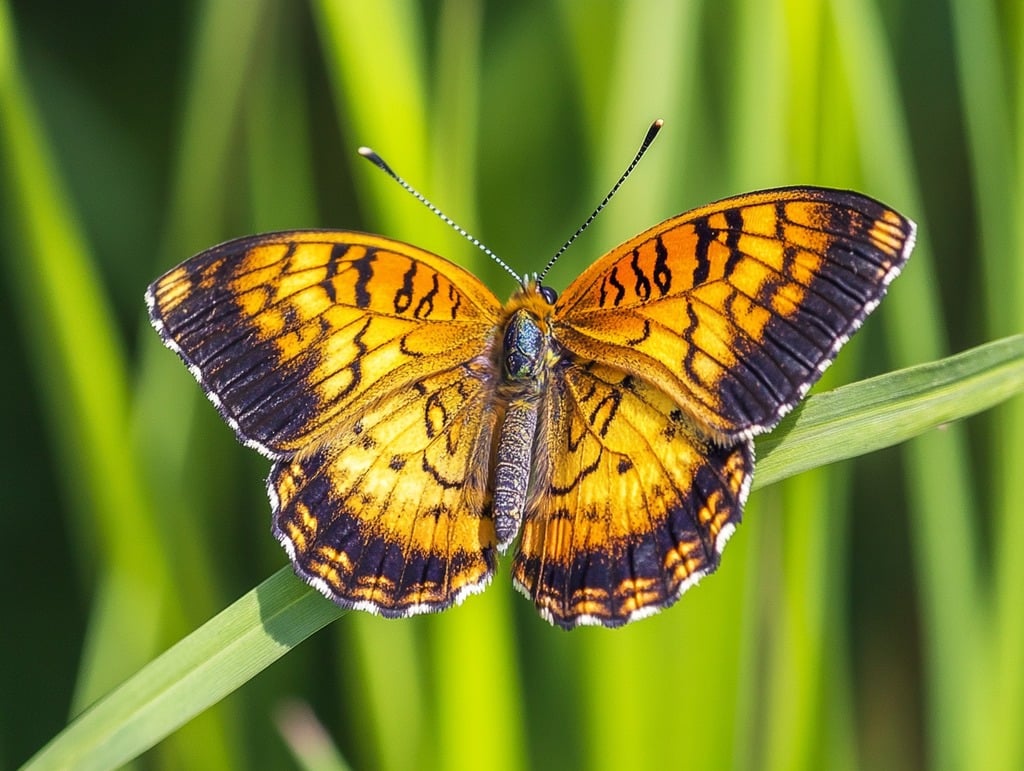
(512, 468)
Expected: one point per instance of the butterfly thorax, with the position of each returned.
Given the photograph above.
(528, 354)
(523, 349)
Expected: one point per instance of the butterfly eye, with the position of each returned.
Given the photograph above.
(549, 294)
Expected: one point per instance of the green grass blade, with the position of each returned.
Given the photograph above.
(390, 36)
(81, 371)
(210, 663)
(883, 411)
(980, 66)
(280, 154)
(1003, 746)
(384, 658)
(983, 54)
(226, 45)
(942, 506)
(277, 615)
(223, 55)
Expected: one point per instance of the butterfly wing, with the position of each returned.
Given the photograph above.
(394, 516)
(635, 507)
(678, 347)
(735, 309)
(362, 366)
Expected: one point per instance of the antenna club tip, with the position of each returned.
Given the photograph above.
(376, 160)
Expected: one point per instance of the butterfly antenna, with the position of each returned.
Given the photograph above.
(652, 132)
(380, 163)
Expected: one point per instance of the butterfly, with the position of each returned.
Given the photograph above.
(418, 426)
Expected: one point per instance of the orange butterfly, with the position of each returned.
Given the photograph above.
(417, 425)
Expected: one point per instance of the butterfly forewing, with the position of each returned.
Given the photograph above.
(292, 333)
(736, 308)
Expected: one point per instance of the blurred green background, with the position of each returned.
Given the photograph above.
(868, 614)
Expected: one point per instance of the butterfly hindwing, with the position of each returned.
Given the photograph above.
(636, 505)
(287, 332)
(391, 516)
(735, 309)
